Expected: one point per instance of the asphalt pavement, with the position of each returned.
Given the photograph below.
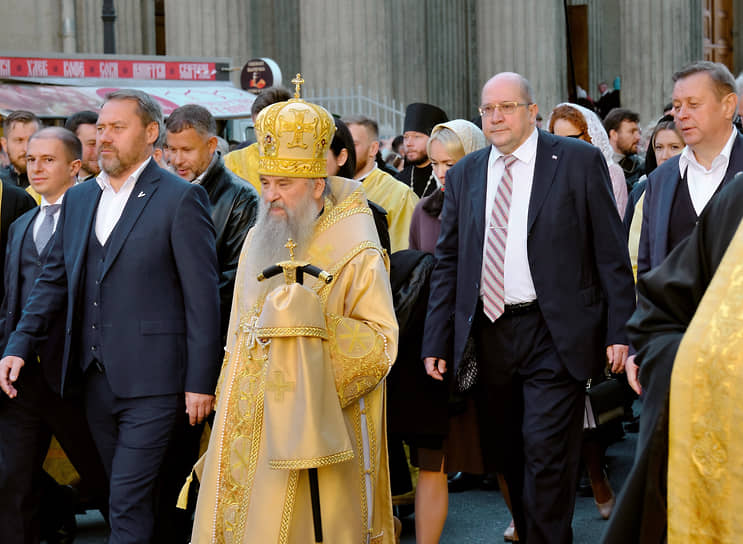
(475, 516)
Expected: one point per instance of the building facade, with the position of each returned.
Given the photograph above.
(437, 51)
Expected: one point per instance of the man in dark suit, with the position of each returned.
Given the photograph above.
(532, 265)
(133, 259)
(704, 106)
(28, 421)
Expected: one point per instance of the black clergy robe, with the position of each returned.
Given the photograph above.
(420, 179)
(668, 297)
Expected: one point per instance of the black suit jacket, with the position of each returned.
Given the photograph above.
(577, 252)
(50, 348)
(14, 203)
(656, 209)
(234, 209)
(159, 303)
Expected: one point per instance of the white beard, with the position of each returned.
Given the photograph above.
(273, 231)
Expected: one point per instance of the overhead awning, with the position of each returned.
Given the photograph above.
(222, 99)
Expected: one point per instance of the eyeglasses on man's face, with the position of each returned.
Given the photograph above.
(505, 108)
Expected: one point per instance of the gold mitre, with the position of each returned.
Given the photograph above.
(294, 137)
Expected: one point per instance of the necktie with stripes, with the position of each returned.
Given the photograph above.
(493, 290)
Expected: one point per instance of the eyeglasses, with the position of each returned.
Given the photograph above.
(576, 136)
(505, 108)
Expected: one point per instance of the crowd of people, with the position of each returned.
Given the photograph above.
(304, 338)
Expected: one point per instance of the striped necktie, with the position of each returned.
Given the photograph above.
(493, 286)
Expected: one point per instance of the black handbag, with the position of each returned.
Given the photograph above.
(605, 401)
(468, 371)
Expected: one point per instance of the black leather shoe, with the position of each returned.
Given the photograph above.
(462, 481)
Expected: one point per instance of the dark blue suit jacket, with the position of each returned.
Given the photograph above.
(49, 349)
(656, 208)
(159, 301)
(577, 255)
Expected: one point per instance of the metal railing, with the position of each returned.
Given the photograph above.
(388, 113)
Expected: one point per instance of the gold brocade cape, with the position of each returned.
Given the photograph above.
(254, 488)
(244, 163)
(398, 199)
(705, 451)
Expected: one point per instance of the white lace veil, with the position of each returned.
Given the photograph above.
(596, 130)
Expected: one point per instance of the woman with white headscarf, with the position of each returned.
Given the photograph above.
(448, 143)
(574, 121)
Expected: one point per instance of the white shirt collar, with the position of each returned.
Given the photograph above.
(45, 202)
(525, 152)
(104, 182)
(688, 158)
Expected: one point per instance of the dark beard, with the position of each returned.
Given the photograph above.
(420, 162)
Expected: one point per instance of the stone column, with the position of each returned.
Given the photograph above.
(657, 38)
(528, 37)
(358, 54)
(452, 61)
(89, 26)
(603, 40)
(406, 31)
(737, 39)
(129, 36)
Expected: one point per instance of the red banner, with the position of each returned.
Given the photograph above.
(106, 68)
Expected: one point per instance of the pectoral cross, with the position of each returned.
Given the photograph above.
(291, 245)
(298, 82)
(278, 385)
(299, 127)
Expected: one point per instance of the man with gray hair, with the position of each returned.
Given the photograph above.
(395, 197)
(192, 141)
(134, 268)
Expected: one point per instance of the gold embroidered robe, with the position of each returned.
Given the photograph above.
(398, 199)
(242, 499)
(705, 439)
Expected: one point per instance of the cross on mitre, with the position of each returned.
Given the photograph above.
(298, 82)
(298, 126)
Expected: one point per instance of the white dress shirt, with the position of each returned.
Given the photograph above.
(702, 182)
(518, 283)
(111, 205)
(42, 214)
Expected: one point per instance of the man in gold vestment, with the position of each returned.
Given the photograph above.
(302, 385)
(393, 195)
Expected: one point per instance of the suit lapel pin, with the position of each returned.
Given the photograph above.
(141, 194)
(554, 157)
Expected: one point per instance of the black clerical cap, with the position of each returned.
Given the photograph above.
(421, 117)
